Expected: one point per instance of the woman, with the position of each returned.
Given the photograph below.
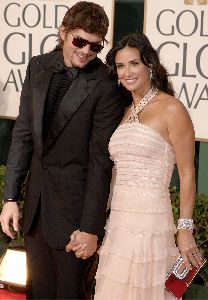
(156, 131)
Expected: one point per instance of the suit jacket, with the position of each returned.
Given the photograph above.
(71, 171)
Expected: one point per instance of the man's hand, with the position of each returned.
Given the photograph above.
(10, 212)
(83, 244)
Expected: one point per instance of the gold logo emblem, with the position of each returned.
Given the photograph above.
(198, 2)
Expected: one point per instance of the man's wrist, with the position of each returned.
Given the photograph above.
(9, 200)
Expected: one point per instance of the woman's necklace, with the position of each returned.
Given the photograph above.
(135, 110)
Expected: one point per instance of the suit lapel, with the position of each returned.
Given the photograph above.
(81, 87)
(40, 89)
(39, 94)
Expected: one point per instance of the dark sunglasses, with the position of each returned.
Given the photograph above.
(81, 43)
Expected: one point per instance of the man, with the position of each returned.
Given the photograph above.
(69, 108)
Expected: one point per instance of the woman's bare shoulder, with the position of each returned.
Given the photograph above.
(176, 115)
(171, 104)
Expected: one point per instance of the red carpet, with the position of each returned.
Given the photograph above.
(7, 295)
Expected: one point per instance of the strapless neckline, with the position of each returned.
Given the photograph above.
(148, 128)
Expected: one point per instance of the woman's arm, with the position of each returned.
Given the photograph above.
(182, 138)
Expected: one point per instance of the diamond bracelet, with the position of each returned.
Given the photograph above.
(186, 224)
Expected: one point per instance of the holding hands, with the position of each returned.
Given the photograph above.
(83, 244)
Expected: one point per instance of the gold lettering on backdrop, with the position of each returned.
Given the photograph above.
(181, 39)
(198, 2)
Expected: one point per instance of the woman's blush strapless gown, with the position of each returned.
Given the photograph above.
(139, 247)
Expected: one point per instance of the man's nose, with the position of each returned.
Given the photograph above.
(86, 49)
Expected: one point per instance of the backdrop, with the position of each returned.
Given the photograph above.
(179, 31)
(29, 28)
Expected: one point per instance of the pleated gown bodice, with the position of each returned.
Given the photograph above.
(144, 163)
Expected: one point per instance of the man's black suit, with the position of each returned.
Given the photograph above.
(70, 172)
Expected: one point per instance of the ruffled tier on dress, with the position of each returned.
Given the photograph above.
(134, 260)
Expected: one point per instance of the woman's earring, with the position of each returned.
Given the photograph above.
(119, 83)
(150, 74)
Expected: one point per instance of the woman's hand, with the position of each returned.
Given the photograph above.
(82, 243)
(188, 248)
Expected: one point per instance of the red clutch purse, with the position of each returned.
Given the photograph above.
(179, 277)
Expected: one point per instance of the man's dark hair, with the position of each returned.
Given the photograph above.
(87, 16)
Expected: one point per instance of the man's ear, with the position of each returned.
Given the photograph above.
(62, 32)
